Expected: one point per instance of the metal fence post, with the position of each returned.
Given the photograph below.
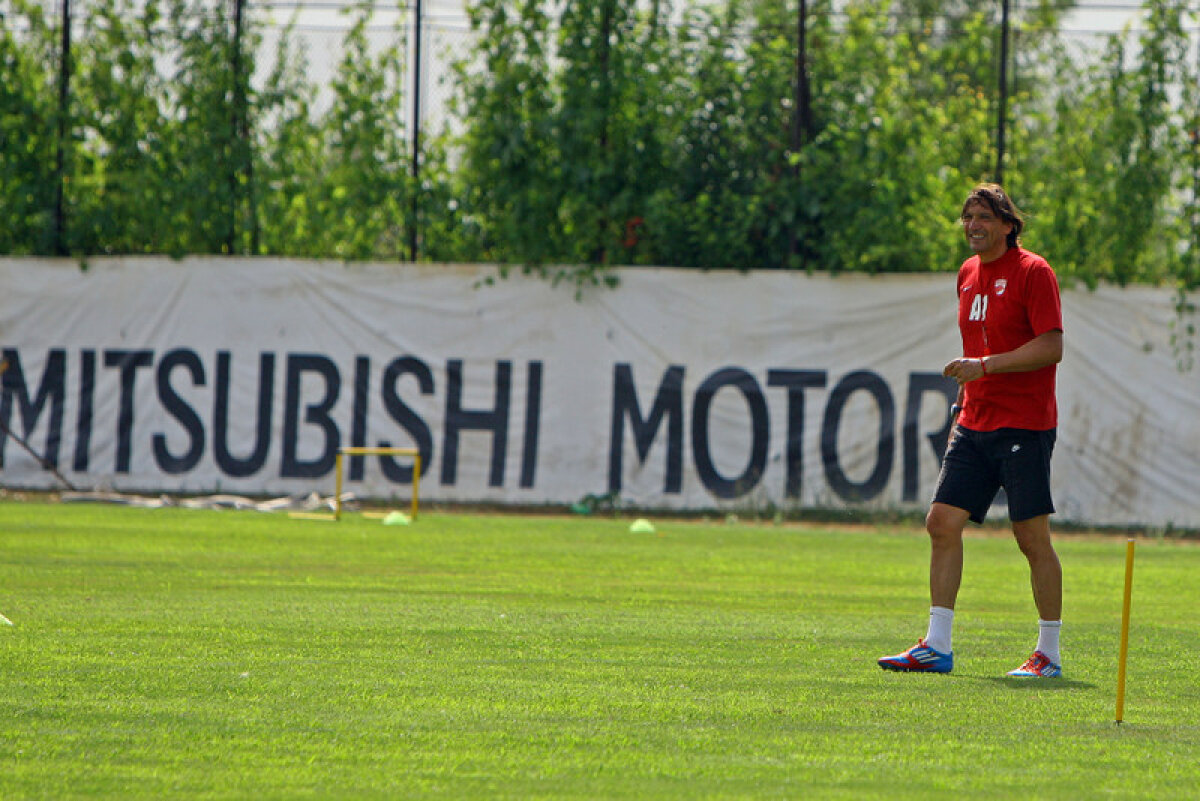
(416, 133)
(241, 153)
(60, 158)
(1003, 103)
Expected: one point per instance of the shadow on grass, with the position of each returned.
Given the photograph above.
(1012, 681)
(1036, 684)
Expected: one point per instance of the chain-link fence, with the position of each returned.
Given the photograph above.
(426, 40)
(318, 31)
(438, 33)
(420, 40)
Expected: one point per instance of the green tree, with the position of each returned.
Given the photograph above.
(607, 127)
(1190, 162)
(1110, 177)
(207, 154)
(120, 161)
(732, 199)
(446, 233)
(159, 163)
(601, 133)
(28, 129)
(362, 195)
(557, 164)
(289, 155)
(508, 163)
(909, 111)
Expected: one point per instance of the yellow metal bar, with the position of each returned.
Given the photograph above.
(369, 451)
(337, 493)
(1125, 631)
(416, 483)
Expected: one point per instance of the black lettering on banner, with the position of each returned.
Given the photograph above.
(358, 418)
(533, 413)
(315, 414)
(51, 389)
(837, 479)
(796, 381)
(760, 430)
(175, 406)
(459, 419)
(83, 423)
(668, 403)
(918, 385)
(403, 414)
(227, 463)
(127, 362)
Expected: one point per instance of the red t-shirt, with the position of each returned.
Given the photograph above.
(1002, 305)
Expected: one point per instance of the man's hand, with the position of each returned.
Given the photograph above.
(1039, 352)
(964, 370)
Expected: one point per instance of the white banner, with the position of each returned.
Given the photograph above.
(678, 390)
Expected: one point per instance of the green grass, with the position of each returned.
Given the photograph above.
(200, 654)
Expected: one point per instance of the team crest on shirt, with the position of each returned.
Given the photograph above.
(1001, 285)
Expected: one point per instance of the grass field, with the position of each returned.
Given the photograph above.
(176, 653)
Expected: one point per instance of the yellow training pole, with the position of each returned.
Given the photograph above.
(1124, 631)
(416, 484)
(337, 493)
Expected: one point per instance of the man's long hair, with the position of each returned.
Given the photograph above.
(994, 197)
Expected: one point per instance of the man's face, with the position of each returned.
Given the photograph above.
(986, 233)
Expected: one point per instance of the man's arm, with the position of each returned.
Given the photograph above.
(1035, 354)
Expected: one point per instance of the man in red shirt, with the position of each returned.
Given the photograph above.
(1010, 318)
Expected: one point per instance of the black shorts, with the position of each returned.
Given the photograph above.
(978, 463)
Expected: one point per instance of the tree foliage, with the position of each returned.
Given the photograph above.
(28, 123)
(352, 199)
(611, 132)
(1111, 164)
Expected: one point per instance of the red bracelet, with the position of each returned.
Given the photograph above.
(983, 365)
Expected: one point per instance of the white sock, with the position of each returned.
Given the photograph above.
(1048, 631)
(941, 620)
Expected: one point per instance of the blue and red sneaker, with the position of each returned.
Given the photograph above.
(919, 658)
(1037, 666)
